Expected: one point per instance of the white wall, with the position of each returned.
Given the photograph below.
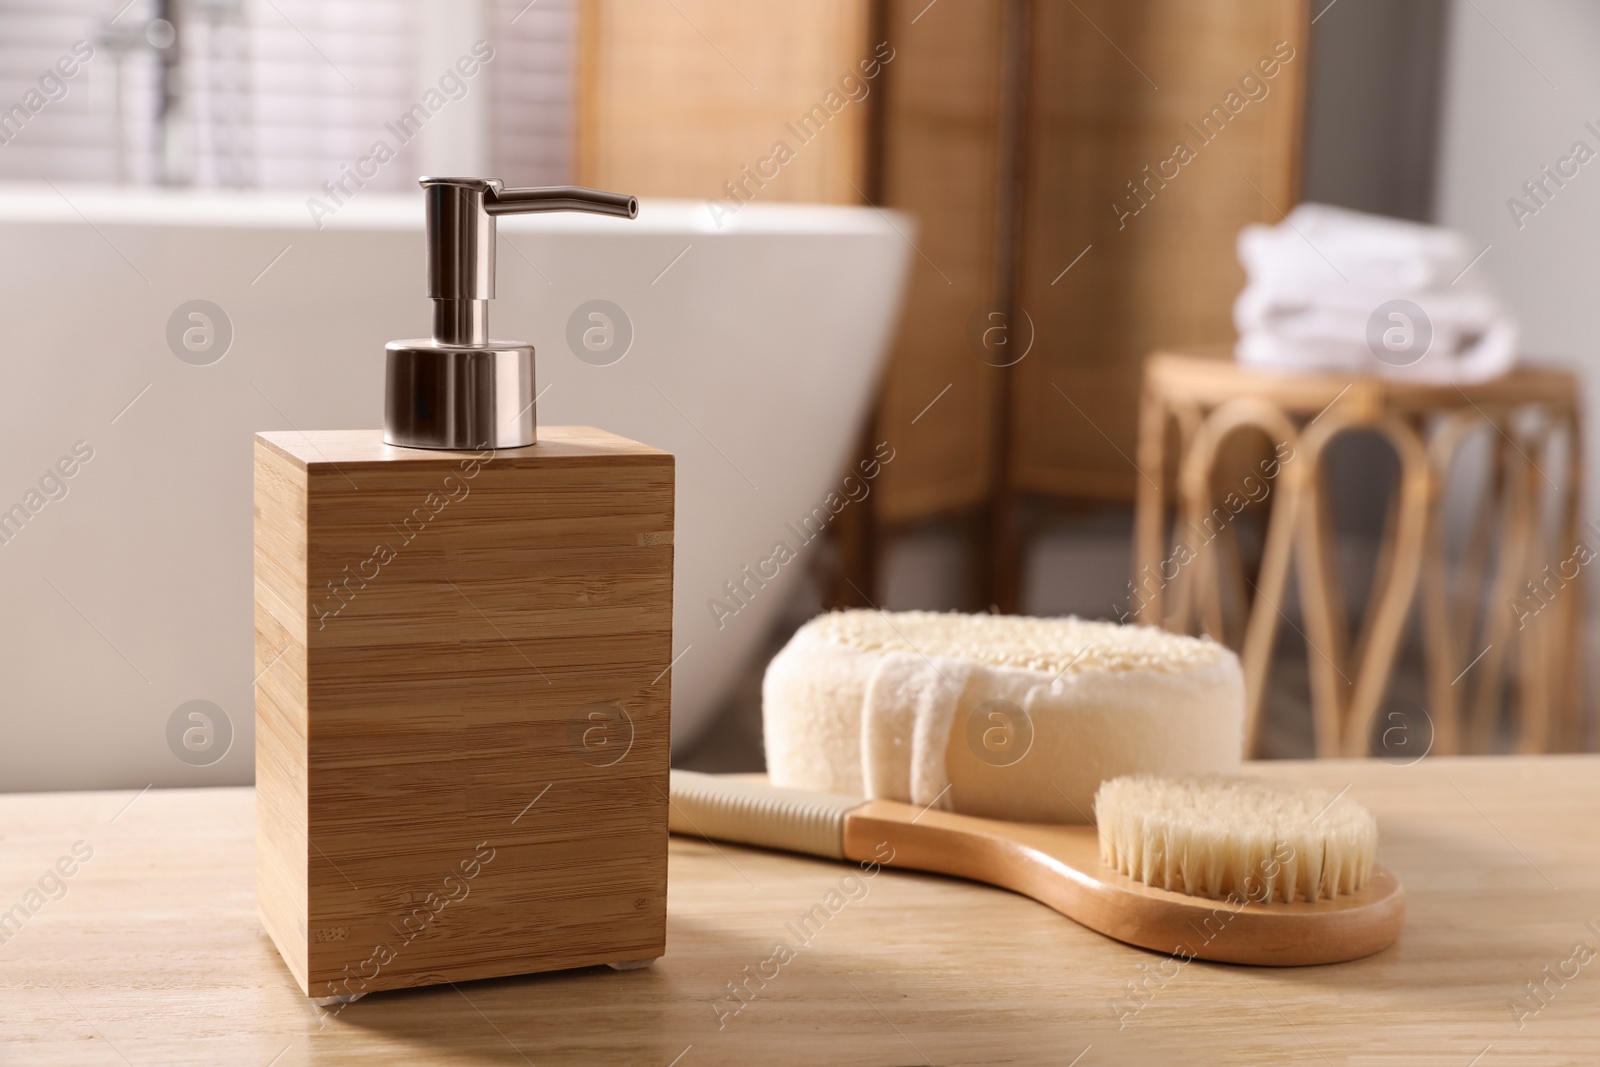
(1520, 82)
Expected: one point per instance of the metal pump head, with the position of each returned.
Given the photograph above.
(460, 390)
(461, 243)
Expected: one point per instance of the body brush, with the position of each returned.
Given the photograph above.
(1218, 868)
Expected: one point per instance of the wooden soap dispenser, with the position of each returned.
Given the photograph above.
(463, 640)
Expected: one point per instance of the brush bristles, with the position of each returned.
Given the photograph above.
(1235, 838)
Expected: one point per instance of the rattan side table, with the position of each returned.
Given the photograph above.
(1508, 613)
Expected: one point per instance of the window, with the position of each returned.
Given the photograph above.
(282, 93)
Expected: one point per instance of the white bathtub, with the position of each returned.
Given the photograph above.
(753, 360)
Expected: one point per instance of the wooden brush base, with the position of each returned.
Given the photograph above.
(462, 709)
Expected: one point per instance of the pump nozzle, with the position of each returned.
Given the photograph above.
(558, 198)
(461, 243)
(460, 390)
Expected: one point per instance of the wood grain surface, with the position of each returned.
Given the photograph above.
(1107, 258)
(676, 99)
(443, 638)
(1060, 866)
(154, 954)
(1105, 172)
(942, 164)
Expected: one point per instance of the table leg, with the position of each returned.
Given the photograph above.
(1440, 611)
(1150, 508)
(1517, 526)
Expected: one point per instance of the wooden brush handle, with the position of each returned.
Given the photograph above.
(1057, 865)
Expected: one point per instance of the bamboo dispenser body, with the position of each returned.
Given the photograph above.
(463, 703)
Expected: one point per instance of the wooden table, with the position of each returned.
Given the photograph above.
(155, 955)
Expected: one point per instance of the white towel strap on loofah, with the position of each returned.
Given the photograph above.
(910, 705)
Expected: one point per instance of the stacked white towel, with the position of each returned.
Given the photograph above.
(1337, 290)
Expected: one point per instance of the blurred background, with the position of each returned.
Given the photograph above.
(1019, 155)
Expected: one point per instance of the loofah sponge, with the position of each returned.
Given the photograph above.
(1000, 716)
(1235, 838)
